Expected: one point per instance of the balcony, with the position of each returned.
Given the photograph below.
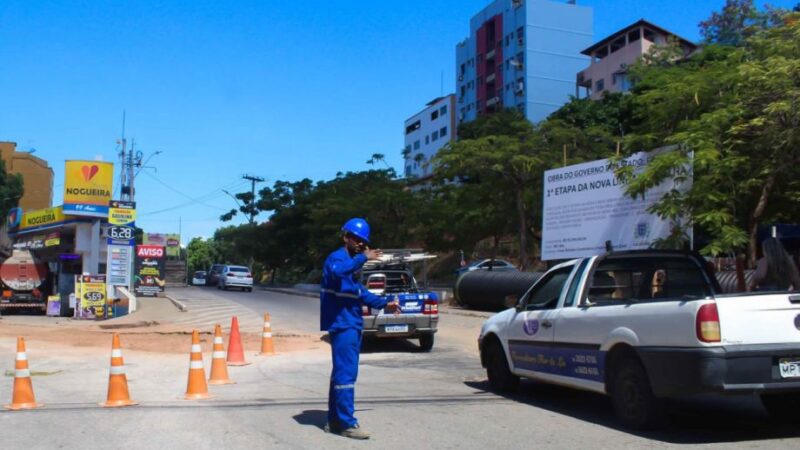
(490, 78)
(492, 101)
(490, 54)
(582, 81)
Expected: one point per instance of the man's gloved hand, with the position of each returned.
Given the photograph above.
(373, 254)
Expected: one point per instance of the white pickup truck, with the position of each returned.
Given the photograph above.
(645, 326)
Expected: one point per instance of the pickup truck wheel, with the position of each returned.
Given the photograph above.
(426, 342)
(634, 403)
(500, 377)
(781, 407)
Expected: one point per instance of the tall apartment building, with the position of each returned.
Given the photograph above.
(610, 58)
(522, 54)
(426, 132)
(36, 174)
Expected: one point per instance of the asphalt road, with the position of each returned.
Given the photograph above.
(407, 399)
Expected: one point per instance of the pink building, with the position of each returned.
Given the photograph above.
(610, 58)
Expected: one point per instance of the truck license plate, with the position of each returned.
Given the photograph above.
(790, 368)
(404, 329)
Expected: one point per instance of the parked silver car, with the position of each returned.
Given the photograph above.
(235, 276)
(486, 264)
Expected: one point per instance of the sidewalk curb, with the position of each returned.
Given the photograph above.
(180, 305)
(290, 291)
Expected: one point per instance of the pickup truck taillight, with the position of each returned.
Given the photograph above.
(431, 307)
(365, 311)
(708, 323)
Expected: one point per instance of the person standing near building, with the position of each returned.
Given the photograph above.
(341, 299)
(775, 270)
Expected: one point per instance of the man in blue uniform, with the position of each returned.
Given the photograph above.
(341, 299)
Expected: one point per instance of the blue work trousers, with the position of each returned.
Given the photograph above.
(345, 349)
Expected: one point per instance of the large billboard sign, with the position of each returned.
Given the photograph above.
(585, 205)
(170, 241)
(149, 270)
(87, 188)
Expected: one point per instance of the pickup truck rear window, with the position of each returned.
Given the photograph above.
(640, 279)
(395, 281)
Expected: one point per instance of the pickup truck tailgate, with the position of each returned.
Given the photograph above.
(759, 318)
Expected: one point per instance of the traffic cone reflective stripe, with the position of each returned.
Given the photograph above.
(267, 347)
(118, 394)
(196, 388)
(22, 397)
(235, 349)
(219, 368)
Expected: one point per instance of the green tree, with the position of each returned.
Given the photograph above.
(11, 190)
(736, 110)
(201, 254)
(738, 20)
(497, 160)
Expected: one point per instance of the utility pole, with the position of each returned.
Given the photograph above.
(253, 181)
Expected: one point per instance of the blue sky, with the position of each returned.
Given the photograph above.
(282, 90)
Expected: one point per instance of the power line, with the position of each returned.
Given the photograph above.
(195, 200)
(208, 196)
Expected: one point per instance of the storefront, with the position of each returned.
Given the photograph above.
(69, 245)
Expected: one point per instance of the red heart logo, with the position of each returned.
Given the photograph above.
(89, 172)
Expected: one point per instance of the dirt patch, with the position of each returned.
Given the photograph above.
(120, 326)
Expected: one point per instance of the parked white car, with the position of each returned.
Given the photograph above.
(235, 276)
(199, 278)
(645, 326)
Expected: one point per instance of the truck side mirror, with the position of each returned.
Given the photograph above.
(511, 301)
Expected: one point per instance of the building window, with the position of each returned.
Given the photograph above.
(413, 127)
(416, 145)
(434, 136)
(622, 80)
(634, 35)
(435, 114)
(507, 40)
(600, 54)
(649, 35)
(520, 35)
(521, 108)
(618, 43)
(443, 110)
(427, 139)
(443, 132)
(599, 85)
(408, 171)
(407, 151)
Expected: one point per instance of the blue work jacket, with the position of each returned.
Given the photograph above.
(342, 295)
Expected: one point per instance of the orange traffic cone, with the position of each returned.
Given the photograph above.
(235, 350)
(266, 338)
(23, 397)
(219, 369)
(196, 389)
(117, 380)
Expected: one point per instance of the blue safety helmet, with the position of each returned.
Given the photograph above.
(357, 227)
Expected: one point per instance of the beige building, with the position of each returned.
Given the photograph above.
(610, 58)
(37, 176)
